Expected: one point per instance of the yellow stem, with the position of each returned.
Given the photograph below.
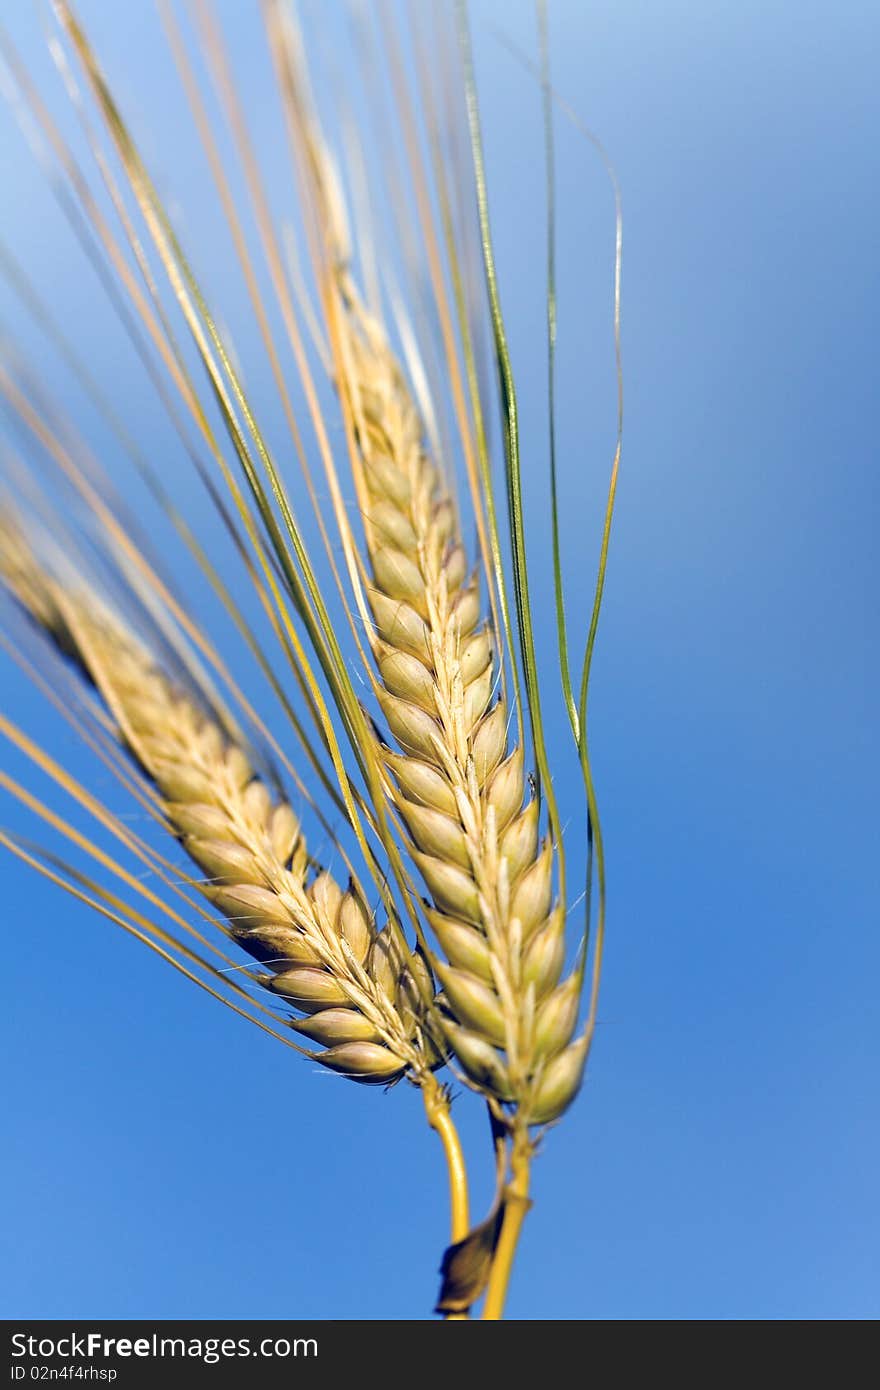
(516, 1204)
(440, 1120)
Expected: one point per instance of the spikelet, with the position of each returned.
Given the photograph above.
(317, 942)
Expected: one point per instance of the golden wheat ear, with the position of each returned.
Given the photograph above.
(475, 839)
(362, 1002)
(459, 791)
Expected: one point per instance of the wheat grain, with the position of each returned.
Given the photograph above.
(362, 1001)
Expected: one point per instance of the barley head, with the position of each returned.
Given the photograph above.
(364, 1004)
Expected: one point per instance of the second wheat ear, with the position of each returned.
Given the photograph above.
(319, 944)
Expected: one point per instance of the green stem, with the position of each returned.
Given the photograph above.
(516, 1205)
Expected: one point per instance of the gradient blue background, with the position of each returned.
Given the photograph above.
(161, 1159)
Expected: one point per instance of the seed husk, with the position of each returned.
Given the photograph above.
(531, 900)
(559, 1084)
(326, 895)
(414, 730)
(396, 575)
(399, 624)
(556, 1018)
(363, 1061)
(354, 927)
(519, 843)
(224, 860)
(482, 1062)
(332, 1026)
(474, 1002)
(422, 782)
(284, 832)
(462, 945)
(407, 677)
(309, 989)
(455, 568)
(545, 954)
(279, 946)
(393, 525)
(436, 833)
(490, 742)
(476, 655)
(476, 697)
(505, 790)
(246, 904)
(466, 610)
(451, 888)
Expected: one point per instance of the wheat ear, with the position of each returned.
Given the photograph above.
(459, 791)
(363, 1003)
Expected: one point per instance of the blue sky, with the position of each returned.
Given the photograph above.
(162, 1159)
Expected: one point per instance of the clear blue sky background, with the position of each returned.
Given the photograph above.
(161, 1159)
